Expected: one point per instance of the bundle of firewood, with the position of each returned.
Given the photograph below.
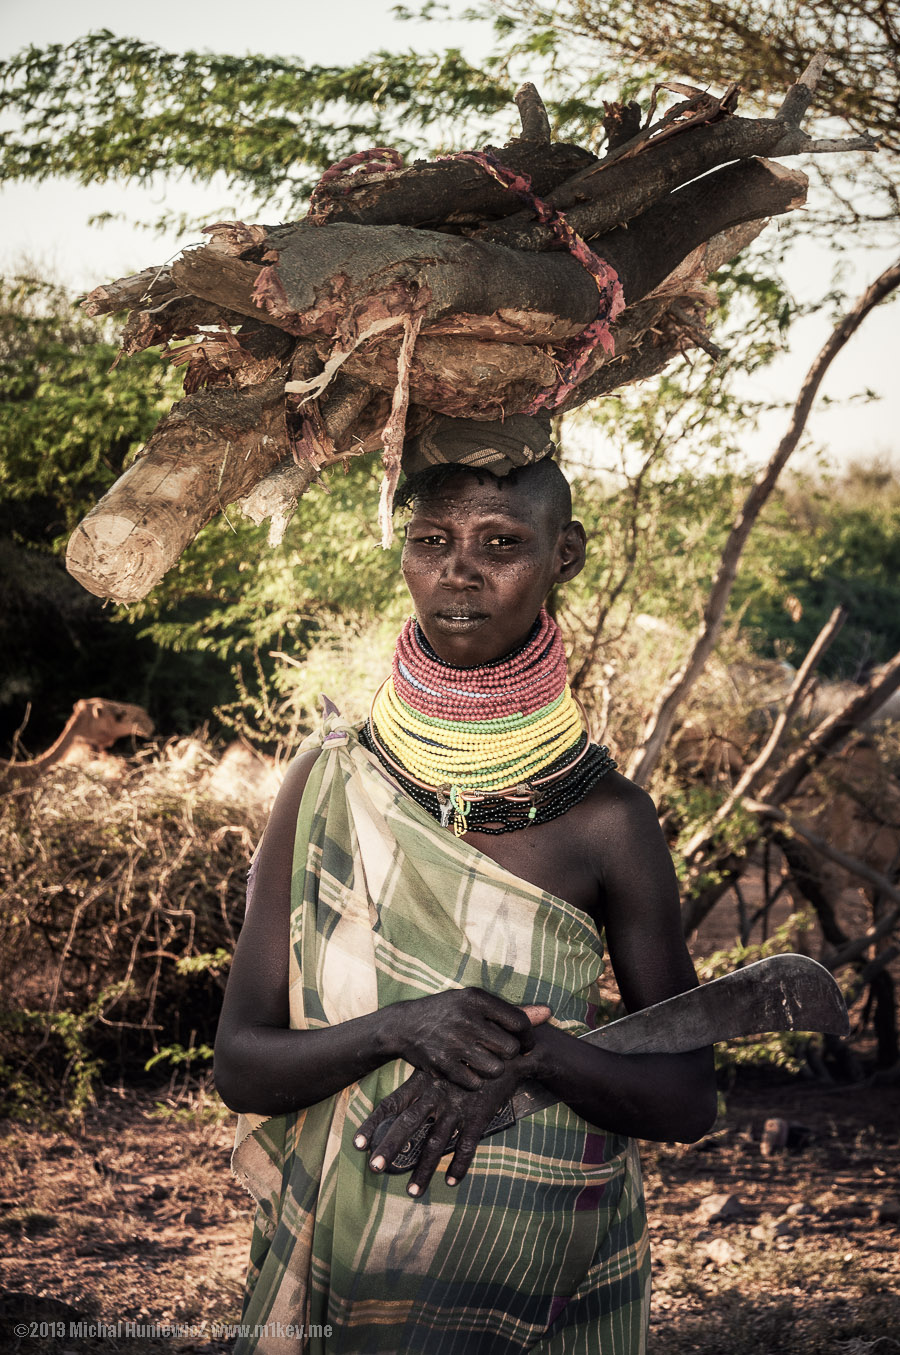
(474, 285)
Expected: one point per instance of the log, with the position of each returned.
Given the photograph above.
(175, 318)
(462, 377)
(212, 448)
(652, 246)
(621, 122)
(335, 280)
(600, 198)
(430, 193)
(151, 285)
(636, 174)
(650, 334)
(134, 530)
(338, 281)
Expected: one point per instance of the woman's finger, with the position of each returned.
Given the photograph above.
(390, 1106)
(484, 1062)
(432, 1151)
(462, 1158)
(400, 1132)
(463, 1075)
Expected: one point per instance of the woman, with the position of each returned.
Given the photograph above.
(416, 948)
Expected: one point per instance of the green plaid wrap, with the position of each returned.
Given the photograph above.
(543, 1246)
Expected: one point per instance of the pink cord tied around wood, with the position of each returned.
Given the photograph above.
(373, 161)
(311, 444)
(576, 351)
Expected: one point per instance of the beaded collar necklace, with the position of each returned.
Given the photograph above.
(492, 748)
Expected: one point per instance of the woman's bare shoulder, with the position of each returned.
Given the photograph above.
(617, 807)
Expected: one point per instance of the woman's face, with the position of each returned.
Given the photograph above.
(479, 561)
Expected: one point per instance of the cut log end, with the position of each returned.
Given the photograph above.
(535, 122)
(117, 557)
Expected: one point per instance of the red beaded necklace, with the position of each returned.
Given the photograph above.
(520, 684)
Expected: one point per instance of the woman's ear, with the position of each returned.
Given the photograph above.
(571, 552)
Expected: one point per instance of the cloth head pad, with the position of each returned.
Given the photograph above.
(493, 445)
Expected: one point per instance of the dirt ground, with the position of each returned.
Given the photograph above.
(135, 1218)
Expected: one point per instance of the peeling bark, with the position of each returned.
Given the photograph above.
(452, 192)
(151, 285)
(463, 377)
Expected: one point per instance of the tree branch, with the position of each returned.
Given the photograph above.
(751, 775)
(831, 733)
(851, 864)
(826, 738)
(680, 683)
(799, 96)
(535, 123)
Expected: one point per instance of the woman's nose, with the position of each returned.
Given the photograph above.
(460, 571)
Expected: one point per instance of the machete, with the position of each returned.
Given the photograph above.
(784, 992)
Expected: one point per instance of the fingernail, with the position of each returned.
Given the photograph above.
(377, 1164)
(452, 1181)
(360, 1141)
(412, 1190)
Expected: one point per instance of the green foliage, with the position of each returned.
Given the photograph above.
(68, 424)
(693, 805)
(209, 962)
(821, 543)
(231, 594)
(180, 1056)
(60, 1070)
(106, 107)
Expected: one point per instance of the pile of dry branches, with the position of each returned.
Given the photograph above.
(119, 909)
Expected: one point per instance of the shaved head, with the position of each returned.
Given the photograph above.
(542, 482)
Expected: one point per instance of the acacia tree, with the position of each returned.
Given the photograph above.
(756, 44)
(107, 107)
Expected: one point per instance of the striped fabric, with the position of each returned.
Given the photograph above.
(543, 1245)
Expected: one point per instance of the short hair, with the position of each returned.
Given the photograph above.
(543, 479)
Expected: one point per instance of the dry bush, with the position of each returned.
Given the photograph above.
(119, 907)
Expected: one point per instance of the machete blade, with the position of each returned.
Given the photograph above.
(784, 992)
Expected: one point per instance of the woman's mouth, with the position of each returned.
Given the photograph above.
(459, 620)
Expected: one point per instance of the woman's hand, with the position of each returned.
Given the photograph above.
(464, 1034)
(453, 1110)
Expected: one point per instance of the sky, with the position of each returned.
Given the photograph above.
(48, 224)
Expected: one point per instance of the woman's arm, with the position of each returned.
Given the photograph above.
(664, 1097)
(263, 1067)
